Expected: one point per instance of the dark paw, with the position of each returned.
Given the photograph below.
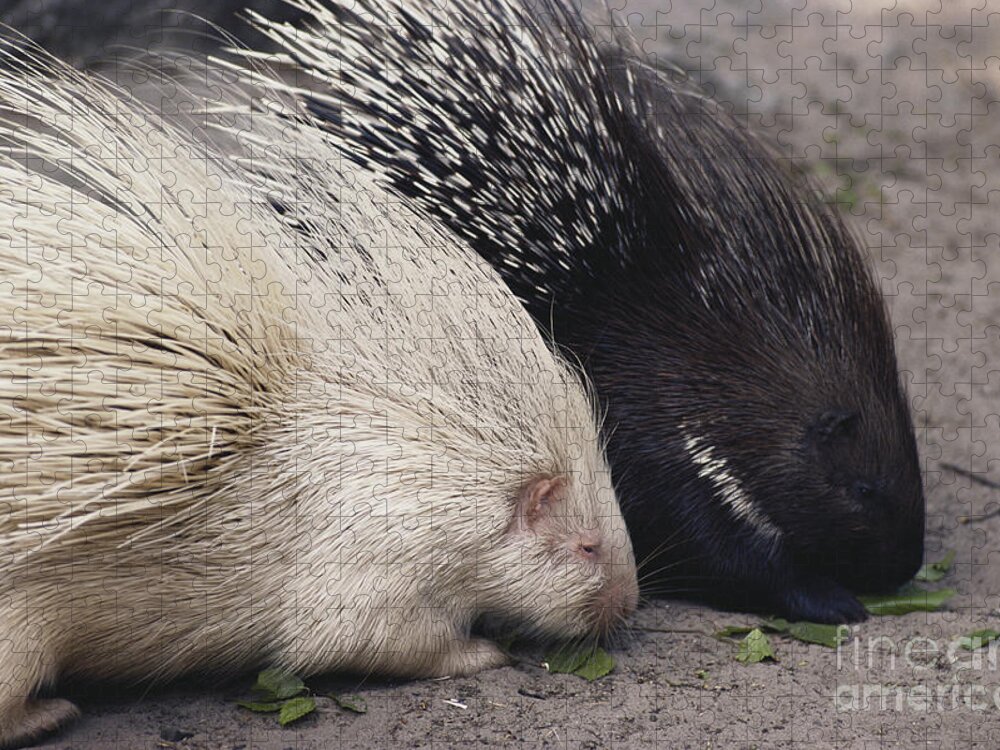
(823, 601)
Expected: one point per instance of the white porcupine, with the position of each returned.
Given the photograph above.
(214, 455)
(759, 435)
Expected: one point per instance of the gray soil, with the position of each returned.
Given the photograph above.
(893, 111)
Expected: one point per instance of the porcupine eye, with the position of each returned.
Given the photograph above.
(864, 491)
(589, 549)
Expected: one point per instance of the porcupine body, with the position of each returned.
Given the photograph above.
(759, 434)
(216, 455)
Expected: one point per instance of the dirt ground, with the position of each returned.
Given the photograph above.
(896, 112)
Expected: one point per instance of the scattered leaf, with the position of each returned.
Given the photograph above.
(907, 599)
(730, 631)
(277, 684)
(353, 703)
(566, 659)
(259, 707)
(586, 662)
(977, 639)
(598, 664)
(822, 634)
(295, 708)
(935, 571)
(775, 624)
(807, 632)
(755, 648)
(701, 674)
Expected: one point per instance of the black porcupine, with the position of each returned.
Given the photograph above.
(759, 434)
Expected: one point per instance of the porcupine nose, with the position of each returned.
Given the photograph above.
(617, 600)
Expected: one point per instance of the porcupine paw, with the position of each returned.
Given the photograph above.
(35, 719)
(823, 600)
(471, 655)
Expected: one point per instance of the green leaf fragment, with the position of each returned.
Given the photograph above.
(277, 684)
(755, 648)
(907, 599)
(259, 707)
(295, 708)
(775, 624)
(807, 632)
(822, 634)
(731, 631)
(353, 703)
(978, 638)
(935, 571)
(701, 674)
(586, 662)
(566, 659)
(598, 664)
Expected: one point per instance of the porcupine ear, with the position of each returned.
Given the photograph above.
(537, 501)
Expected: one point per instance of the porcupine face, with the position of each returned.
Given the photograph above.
(853, 505)
(566, 568)
(867, 471)
(839, 493)
(811, 454)
(834, 497)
